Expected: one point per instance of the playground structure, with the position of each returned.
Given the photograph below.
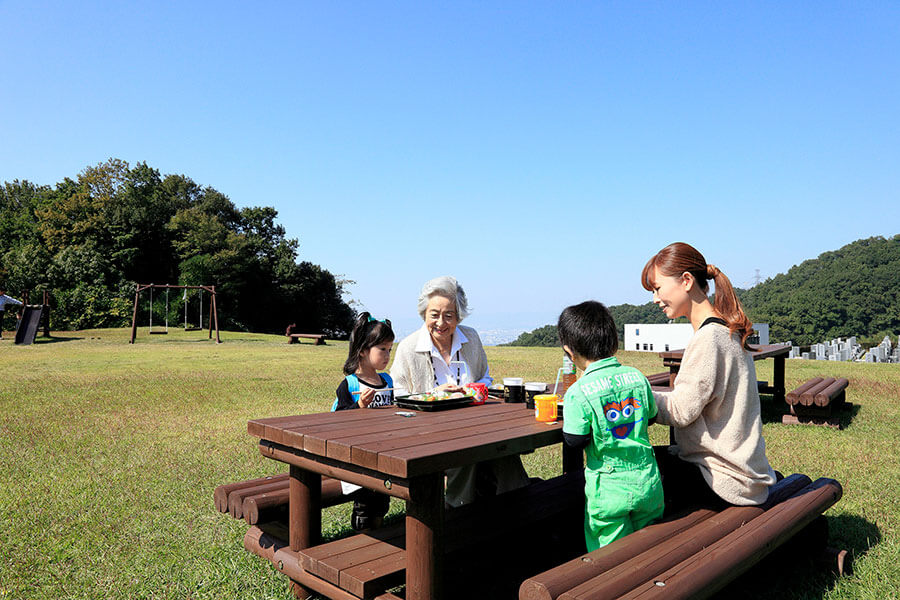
(213, 313)
(30, 322)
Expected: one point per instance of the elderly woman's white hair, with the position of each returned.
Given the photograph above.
(447, 287)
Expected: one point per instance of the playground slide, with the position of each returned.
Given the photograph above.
(29, 324)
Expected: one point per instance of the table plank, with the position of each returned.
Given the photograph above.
(342, 448)
(365, 452)
(467, 449)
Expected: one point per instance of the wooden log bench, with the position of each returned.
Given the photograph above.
(659, 379)
(690, 556)
(365, 565)
(815, 401)
(318, 337)
(266, 498)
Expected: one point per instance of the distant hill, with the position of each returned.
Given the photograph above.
(851, 291)
(622, 314)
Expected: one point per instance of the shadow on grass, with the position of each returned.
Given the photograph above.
(55, 340)
(772, 412)
(798, 569)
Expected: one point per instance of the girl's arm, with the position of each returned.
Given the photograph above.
(345, 400)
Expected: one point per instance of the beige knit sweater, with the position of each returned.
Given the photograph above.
(714, 407)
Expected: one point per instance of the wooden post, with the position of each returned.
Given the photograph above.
(137, 294)
(46, 313)
(424, 538)
(778, 376)
(304, 516)
(215, 314)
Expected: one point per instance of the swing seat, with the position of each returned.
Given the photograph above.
(192, 328)
(160, 332)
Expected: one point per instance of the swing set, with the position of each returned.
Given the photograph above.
(164, 329)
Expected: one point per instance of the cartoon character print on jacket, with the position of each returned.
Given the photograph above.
(619, 414)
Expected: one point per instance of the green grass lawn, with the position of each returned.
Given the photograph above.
(110, 452)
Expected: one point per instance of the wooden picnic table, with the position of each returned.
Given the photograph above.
(404, 457)
(779, 352)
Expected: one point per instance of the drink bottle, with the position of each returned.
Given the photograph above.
(568, 374)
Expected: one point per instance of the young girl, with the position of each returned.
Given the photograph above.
(364, 387)
(719, 454)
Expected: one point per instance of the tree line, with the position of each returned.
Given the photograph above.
(89, 240)
(852, 291)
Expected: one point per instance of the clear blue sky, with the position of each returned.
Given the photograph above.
(538, 151)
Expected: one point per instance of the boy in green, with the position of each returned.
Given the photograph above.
(606, 412)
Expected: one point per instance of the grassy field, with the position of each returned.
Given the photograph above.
(109, 454)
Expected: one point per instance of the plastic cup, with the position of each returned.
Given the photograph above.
(532, 389)
(513, 389)
(481, 392)
(545, 407)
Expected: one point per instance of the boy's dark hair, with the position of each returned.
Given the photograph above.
(367, 332)
(588, 329)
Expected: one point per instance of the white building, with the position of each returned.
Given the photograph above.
(673, 336)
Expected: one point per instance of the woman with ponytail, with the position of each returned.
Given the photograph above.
(719, 455)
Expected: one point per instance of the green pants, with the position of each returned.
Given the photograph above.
(620, 502)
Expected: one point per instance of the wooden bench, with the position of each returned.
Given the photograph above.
(364, 565)
(659, 379)
(815, 401)
(691, 556)
(266, 498)
(318, 337)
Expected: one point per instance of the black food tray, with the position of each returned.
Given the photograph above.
(426, 405)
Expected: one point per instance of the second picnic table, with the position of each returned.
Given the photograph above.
(778, 352)
(404, 457)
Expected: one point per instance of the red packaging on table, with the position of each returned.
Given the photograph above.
(481, 392)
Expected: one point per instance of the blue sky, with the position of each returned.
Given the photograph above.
(541, 152)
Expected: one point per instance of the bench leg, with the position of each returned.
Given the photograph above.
(305, 516)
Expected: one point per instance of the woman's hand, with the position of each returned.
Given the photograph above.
(366, 396)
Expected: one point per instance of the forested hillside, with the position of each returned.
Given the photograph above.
(89, 240)
(851, 291)
(622, 314)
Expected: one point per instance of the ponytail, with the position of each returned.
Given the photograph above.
(728, 305)
(367, 332)
(678, 258)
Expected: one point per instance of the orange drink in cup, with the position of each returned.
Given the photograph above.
(545, 407)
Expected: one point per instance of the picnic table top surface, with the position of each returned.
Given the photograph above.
(761, 351)
(384, 441)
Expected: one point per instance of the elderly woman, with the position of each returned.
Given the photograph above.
(446, 355)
